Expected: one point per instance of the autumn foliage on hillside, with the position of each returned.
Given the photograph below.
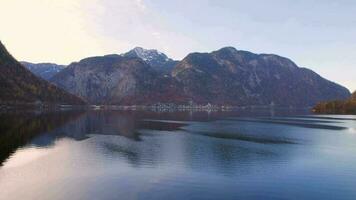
(18, 85)
(337, 107)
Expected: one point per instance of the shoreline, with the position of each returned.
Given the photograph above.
(153, 108)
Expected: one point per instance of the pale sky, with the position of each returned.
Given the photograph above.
(317, 34)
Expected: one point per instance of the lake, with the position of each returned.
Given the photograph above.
(247, 154)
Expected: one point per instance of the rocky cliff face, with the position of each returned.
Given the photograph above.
(43, 70)
(115, 79)
(157, 60)
(18, 85)
(228, 76)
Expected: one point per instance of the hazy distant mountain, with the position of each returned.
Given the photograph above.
(18, 85)
(244, 78)
(159, 61)
(115, 79)
(226, 76)
(43, 70)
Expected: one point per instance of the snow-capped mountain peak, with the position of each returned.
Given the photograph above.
(147, 54)
(157, 59)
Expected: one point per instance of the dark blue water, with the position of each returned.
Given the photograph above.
(258, 154)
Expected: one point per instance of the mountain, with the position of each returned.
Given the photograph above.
(223, 77)
(115, 79)
(43, 70)
(229, 76)
(337, 107)
(18, 85)
(159, 61)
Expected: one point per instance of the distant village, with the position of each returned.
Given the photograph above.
(171, 107)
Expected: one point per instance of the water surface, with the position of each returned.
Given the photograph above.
(258, 154)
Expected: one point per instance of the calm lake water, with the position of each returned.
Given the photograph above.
(260, 154)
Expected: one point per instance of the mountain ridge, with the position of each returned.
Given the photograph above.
(242, 77)
(19, 86)
(114, 80)
(223, 77)
(44, 70)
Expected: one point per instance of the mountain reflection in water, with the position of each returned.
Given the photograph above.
(143, 155)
